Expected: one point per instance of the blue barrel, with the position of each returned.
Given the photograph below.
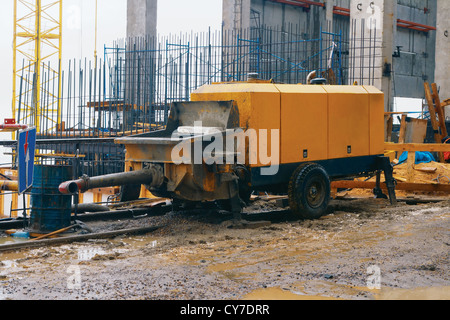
(50, 210)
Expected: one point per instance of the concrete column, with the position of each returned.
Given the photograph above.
(142, 18)
(236, 15)
(141, 23)
(329, 13)
(442, 73)
(373, 28)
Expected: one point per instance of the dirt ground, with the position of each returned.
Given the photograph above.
(363, 249)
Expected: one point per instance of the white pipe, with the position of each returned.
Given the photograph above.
(310, 76)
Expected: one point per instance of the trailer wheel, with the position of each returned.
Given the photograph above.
(309, 191)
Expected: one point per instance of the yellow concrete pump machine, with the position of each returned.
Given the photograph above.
(235, 138)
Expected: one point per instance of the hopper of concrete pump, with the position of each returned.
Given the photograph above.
(187, 121)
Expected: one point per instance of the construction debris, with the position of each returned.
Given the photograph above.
(429, 179)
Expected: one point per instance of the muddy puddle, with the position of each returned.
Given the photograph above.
(280, 294)
(11, 240)
(200, 256)
(335, 291)
(439, 293)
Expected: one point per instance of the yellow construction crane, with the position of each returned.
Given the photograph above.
(37, 42)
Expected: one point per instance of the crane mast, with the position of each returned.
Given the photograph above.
(37, 52)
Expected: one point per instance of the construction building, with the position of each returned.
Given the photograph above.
(410, 38)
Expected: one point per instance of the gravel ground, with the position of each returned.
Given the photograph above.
(362, 250)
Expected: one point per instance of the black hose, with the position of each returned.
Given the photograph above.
(89, 207)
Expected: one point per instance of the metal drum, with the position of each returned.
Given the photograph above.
(50, 210)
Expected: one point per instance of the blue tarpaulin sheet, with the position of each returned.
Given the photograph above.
(421, 157)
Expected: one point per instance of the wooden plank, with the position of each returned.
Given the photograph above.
(427, 169)
(77, 238)
(402, 133)
(267, 197)
(439, 110)
(414, 147)
(416, 130)
(410, 166)
(389, 123)
(404, 186)
(434, 122)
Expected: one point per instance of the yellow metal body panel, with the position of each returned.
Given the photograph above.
(304, 123)
(376, 116)
(348, 121)
(328, 122)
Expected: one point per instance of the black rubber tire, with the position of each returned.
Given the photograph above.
(309, 191)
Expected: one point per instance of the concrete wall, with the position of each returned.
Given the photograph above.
(416, 63)
(276, 14)
(255, 13)
(142, 18)
(442, 74)
(236, 15)
(280, 15)
(373, 24)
